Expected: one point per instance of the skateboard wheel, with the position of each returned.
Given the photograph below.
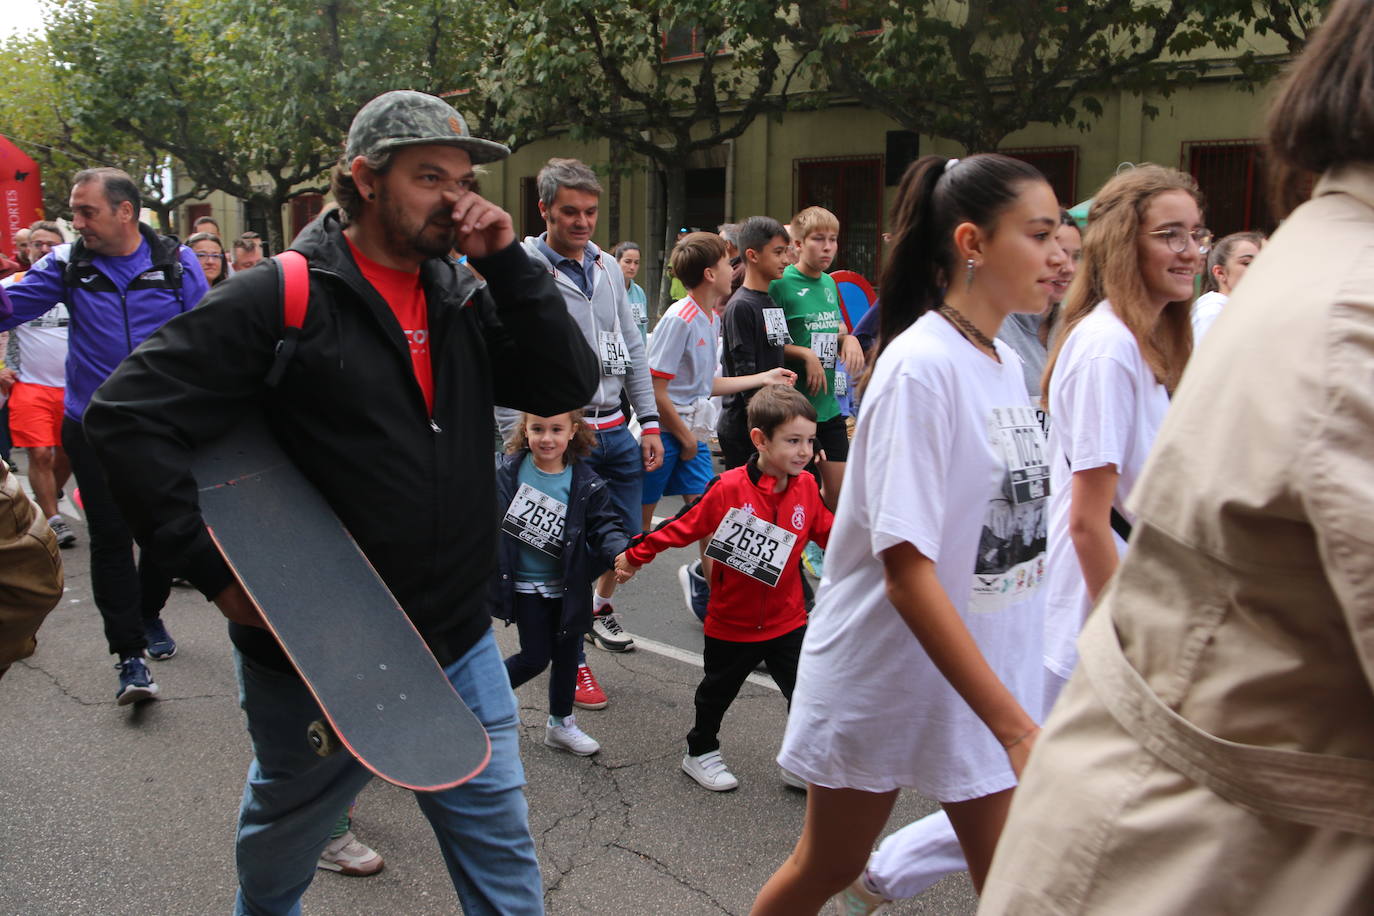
(322, 738)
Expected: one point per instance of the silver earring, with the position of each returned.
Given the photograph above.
(968, 276)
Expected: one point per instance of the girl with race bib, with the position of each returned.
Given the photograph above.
(559, 531)
(940, 536)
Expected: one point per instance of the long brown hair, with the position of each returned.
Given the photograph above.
(582, 444)
(1323, 115)
(1110, 270)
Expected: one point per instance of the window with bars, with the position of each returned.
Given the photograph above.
(304, 208)
(1231, 176)
(852, 189)
(532, 221)
(1059, 164)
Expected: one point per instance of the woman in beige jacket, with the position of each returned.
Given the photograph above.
(1214, 752)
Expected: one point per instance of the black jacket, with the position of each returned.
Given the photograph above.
(593, 536)
(351, 414)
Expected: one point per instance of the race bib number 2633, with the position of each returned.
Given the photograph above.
(757, 548)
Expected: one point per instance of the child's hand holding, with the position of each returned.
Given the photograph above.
(624, 569)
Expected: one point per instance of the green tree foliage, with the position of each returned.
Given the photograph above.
(254, 98)
(978, 70)
(598, 68)
(35, 110)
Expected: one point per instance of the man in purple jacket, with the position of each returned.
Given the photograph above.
(121, 282)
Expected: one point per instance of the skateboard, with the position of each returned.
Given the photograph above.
(384, 696)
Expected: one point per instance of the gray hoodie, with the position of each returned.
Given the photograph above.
(608, 302)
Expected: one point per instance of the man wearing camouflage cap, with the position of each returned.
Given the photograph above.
(386, 406)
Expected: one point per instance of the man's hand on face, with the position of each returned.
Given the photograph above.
(481, 227)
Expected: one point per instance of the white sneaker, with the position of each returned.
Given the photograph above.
(791, 779)
(858, 900)
(347, 856)
(568, 737)
(608, 634)
(710, 770)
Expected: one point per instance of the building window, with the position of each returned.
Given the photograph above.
(852, 189)
(195, 212)
(1059, 164)
(532, 221)
(684, 42)
(865, 24)
(1231, 176)
(304, 208)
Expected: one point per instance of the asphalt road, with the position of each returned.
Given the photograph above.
(109, 810)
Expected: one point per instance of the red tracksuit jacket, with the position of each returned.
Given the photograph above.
(743, 609)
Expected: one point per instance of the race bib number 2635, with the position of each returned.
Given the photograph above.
(536, 518)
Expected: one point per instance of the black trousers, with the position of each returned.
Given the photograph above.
(538, 619)
(126, 593)
(727, 664)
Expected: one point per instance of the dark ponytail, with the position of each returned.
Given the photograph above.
(933, 198)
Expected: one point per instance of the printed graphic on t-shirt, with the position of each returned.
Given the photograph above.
(418, 338)
(615, 356)
(775, 325)
(1011, 549)
(536, 518)
(639, 311)
(55, 317)
(757, 548)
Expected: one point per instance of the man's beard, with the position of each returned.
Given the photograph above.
(433, 238)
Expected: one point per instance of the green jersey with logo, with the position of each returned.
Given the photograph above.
(812, 308)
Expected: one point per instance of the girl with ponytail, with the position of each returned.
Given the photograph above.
(921, 666)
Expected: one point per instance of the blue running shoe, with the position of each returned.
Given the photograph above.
(695, 591)
(813, 558)
(161, 645)
(135, 683)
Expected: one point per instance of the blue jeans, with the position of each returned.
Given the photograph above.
(618, 461)
(293, 797)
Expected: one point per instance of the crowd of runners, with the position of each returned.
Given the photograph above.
(918, 526)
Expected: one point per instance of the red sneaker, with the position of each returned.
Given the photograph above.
(589, 694)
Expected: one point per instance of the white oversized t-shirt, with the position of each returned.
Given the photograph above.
(1105, 408)
(930, 465)
(1206, 310)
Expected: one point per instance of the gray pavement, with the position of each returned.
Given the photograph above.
(131, 810)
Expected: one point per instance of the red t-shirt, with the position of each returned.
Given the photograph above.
(403, 292)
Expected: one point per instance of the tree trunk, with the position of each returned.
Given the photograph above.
(276, 234)
(676, 213)
(613, 197)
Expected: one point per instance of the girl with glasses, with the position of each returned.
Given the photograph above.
(210, 253)
(1125, 341)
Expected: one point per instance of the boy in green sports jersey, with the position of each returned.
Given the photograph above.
(810, 302)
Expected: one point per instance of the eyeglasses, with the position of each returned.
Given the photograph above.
(40, 244)
(1177, 239)
(209, 255)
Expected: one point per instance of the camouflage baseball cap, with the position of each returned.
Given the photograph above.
(403, 117)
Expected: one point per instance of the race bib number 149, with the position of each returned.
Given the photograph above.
(745, 542)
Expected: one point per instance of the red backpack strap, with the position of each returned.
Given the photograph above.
(293, 272)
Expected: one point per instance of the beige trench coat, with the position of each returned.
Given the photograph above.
(1214, 753)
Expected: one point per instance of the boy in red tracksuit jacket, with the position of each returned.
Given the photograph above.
(758, 517)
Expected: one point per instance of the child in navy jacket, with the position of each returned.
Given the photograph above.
(559, 533)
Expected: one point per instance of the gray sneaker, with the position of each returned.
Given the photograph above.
(608, 634)
(66, 537)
